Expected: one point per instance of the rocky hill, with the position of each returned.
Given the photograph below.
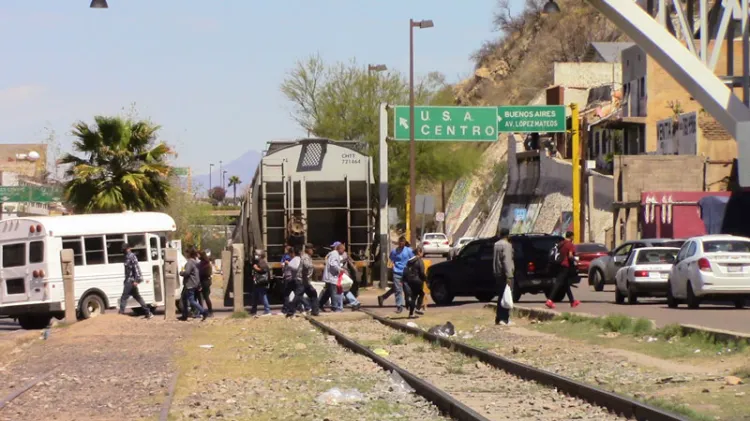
(512, 68)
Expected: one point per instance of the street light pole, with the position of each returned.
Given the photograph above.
(221, 183)
(210, 175)
(412, 144)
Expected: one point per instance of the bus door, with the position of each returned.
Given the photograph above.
(157, 267)
(15, 275)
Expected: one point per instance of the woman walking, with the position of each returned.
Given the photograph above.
(205, 272)
(414, 279)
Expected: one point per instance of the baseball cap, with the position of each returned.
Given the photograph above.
(335, 244)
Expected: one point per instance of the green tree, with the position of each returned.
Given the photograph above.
(234, 181)
(121, 167)
(341, 102)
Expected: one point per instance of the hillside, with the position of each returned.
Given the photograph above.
(243, 167)
(512, 68)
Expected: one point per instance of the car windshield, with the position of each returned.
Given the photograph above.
(674, 243)
(646, 257)
(726, 246)
(591, 248)
(463, 241)
(435, 237)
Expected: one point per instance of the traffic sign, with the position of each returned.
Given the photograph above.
(30, 194)
(531, 118)
(180, 171)
(448, 124)
(440, 216)
(520, 214)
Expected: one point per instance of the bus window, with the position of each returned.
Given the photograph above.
(94, 250)
(74, 243)
(36, 252)
(14, 255)
(154, 244)
(114, 248)
(138, 244)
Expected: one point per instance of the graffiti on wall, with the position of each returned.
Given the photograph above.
(564, 223)
(456, 203)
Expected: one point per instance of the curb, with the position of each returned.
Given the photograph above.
(718, 335)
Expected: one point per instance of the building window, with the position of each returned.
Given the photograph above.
(597, 145)
(642, 87)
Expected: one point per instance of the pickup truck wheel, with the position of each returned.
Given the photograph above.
(619, 297)
(439, 293)
(692, 301)
(596, 279)
(35, 321)
(485, 298)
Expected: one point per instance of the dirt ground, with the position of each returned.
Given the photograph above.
(107, 368)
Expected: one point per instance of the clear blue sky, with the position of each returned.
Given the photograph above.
(207, 71)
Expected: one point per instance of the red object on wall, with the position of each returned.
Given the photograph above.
(672, 214)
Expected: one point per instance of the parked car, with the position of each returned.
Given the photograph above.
(602, 270)
(470, 273)
(645, 274)
(458, 246)
(711, 266)
(435, 243)
(588, 252)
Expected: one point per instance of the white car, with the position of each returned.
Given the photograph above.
(459, 245)
(435, 243)
(711, 266)
(644, 274)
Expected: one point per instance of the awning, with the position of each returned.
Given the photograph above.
(712, 212)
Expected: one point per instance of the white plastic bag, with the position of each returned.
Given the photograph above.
(507, 301)
(346, 282)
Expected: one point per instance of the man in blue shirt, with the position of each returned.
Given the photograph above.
(133, 277)
(399, 257)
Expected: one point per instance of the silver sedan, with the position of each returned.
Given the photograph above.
(644, 274)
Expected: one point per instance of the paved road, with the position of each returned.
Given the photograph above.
(603, 303)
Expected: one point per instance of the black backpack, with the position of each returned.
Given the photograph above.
(411, 274)
(555, 256)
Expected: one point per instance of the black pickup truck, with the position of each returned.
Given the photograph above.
(470, 273)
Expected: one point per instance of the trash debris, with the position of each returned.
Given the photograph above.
(413, 325)
(697, 351)
(445, 330)
(399, 385)
(380, 352)
(206, 346)
(651, 339)
(45, 334)
(732, 380)
(336, 396)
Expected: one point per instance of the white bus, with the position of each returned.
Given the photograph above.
(31, 288)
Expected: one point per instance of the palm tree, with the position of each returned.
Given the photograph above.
(122, 167)
(234, 181)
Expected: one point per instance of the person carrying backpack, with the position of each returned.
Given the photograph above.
(414, 278)
(567, 270)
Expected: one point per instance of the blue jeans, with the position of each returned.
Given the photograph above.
(350, 298)
(260, 294)
(190, 296)
(337, 300)
(398, 285)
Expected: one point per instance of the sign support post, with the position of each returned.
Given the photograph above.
(238, 277)
(170, 283)
(575, 129)
(384, 231)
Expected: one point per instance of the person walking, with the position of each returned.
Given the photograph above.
(303, 284)
(205, 271)
(290, 274)
(133, 278)
(261, 279)
(503, 269)
(348, 267)
(567, 271)
(399, 257)
(331, 278)
(191, 283)
(414, 279)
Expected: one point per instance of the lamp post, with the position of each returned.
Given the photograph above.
(422, 24)
(223, 177)
(210, 181)
(99, 4)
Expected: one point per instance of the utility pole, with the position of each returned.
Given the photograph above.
(575, 126)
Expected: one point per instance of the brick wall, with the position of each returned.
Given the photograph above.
(587, 75)
(636, 174)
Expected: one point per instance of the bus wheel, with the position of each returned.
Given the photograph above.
(92, 305)
(35, 321)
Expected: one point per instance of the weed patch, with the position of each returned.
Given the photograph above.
(397, 339)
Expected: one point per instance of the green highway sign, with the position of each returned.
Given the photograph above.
(531, 118)
(30, 194)
(448, 124)
(180, 171)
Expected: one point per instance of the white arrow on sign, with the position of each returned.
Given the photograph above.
(403, 122)
(6, 198)
(499, 118)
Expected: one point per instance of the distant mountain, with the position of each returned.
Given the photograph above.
(243, 167)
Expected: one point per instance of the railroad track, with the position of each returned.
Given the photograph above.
(25, 388)
(469, 384)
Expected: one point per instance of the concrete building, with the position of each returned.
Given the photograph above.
(25, 159)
